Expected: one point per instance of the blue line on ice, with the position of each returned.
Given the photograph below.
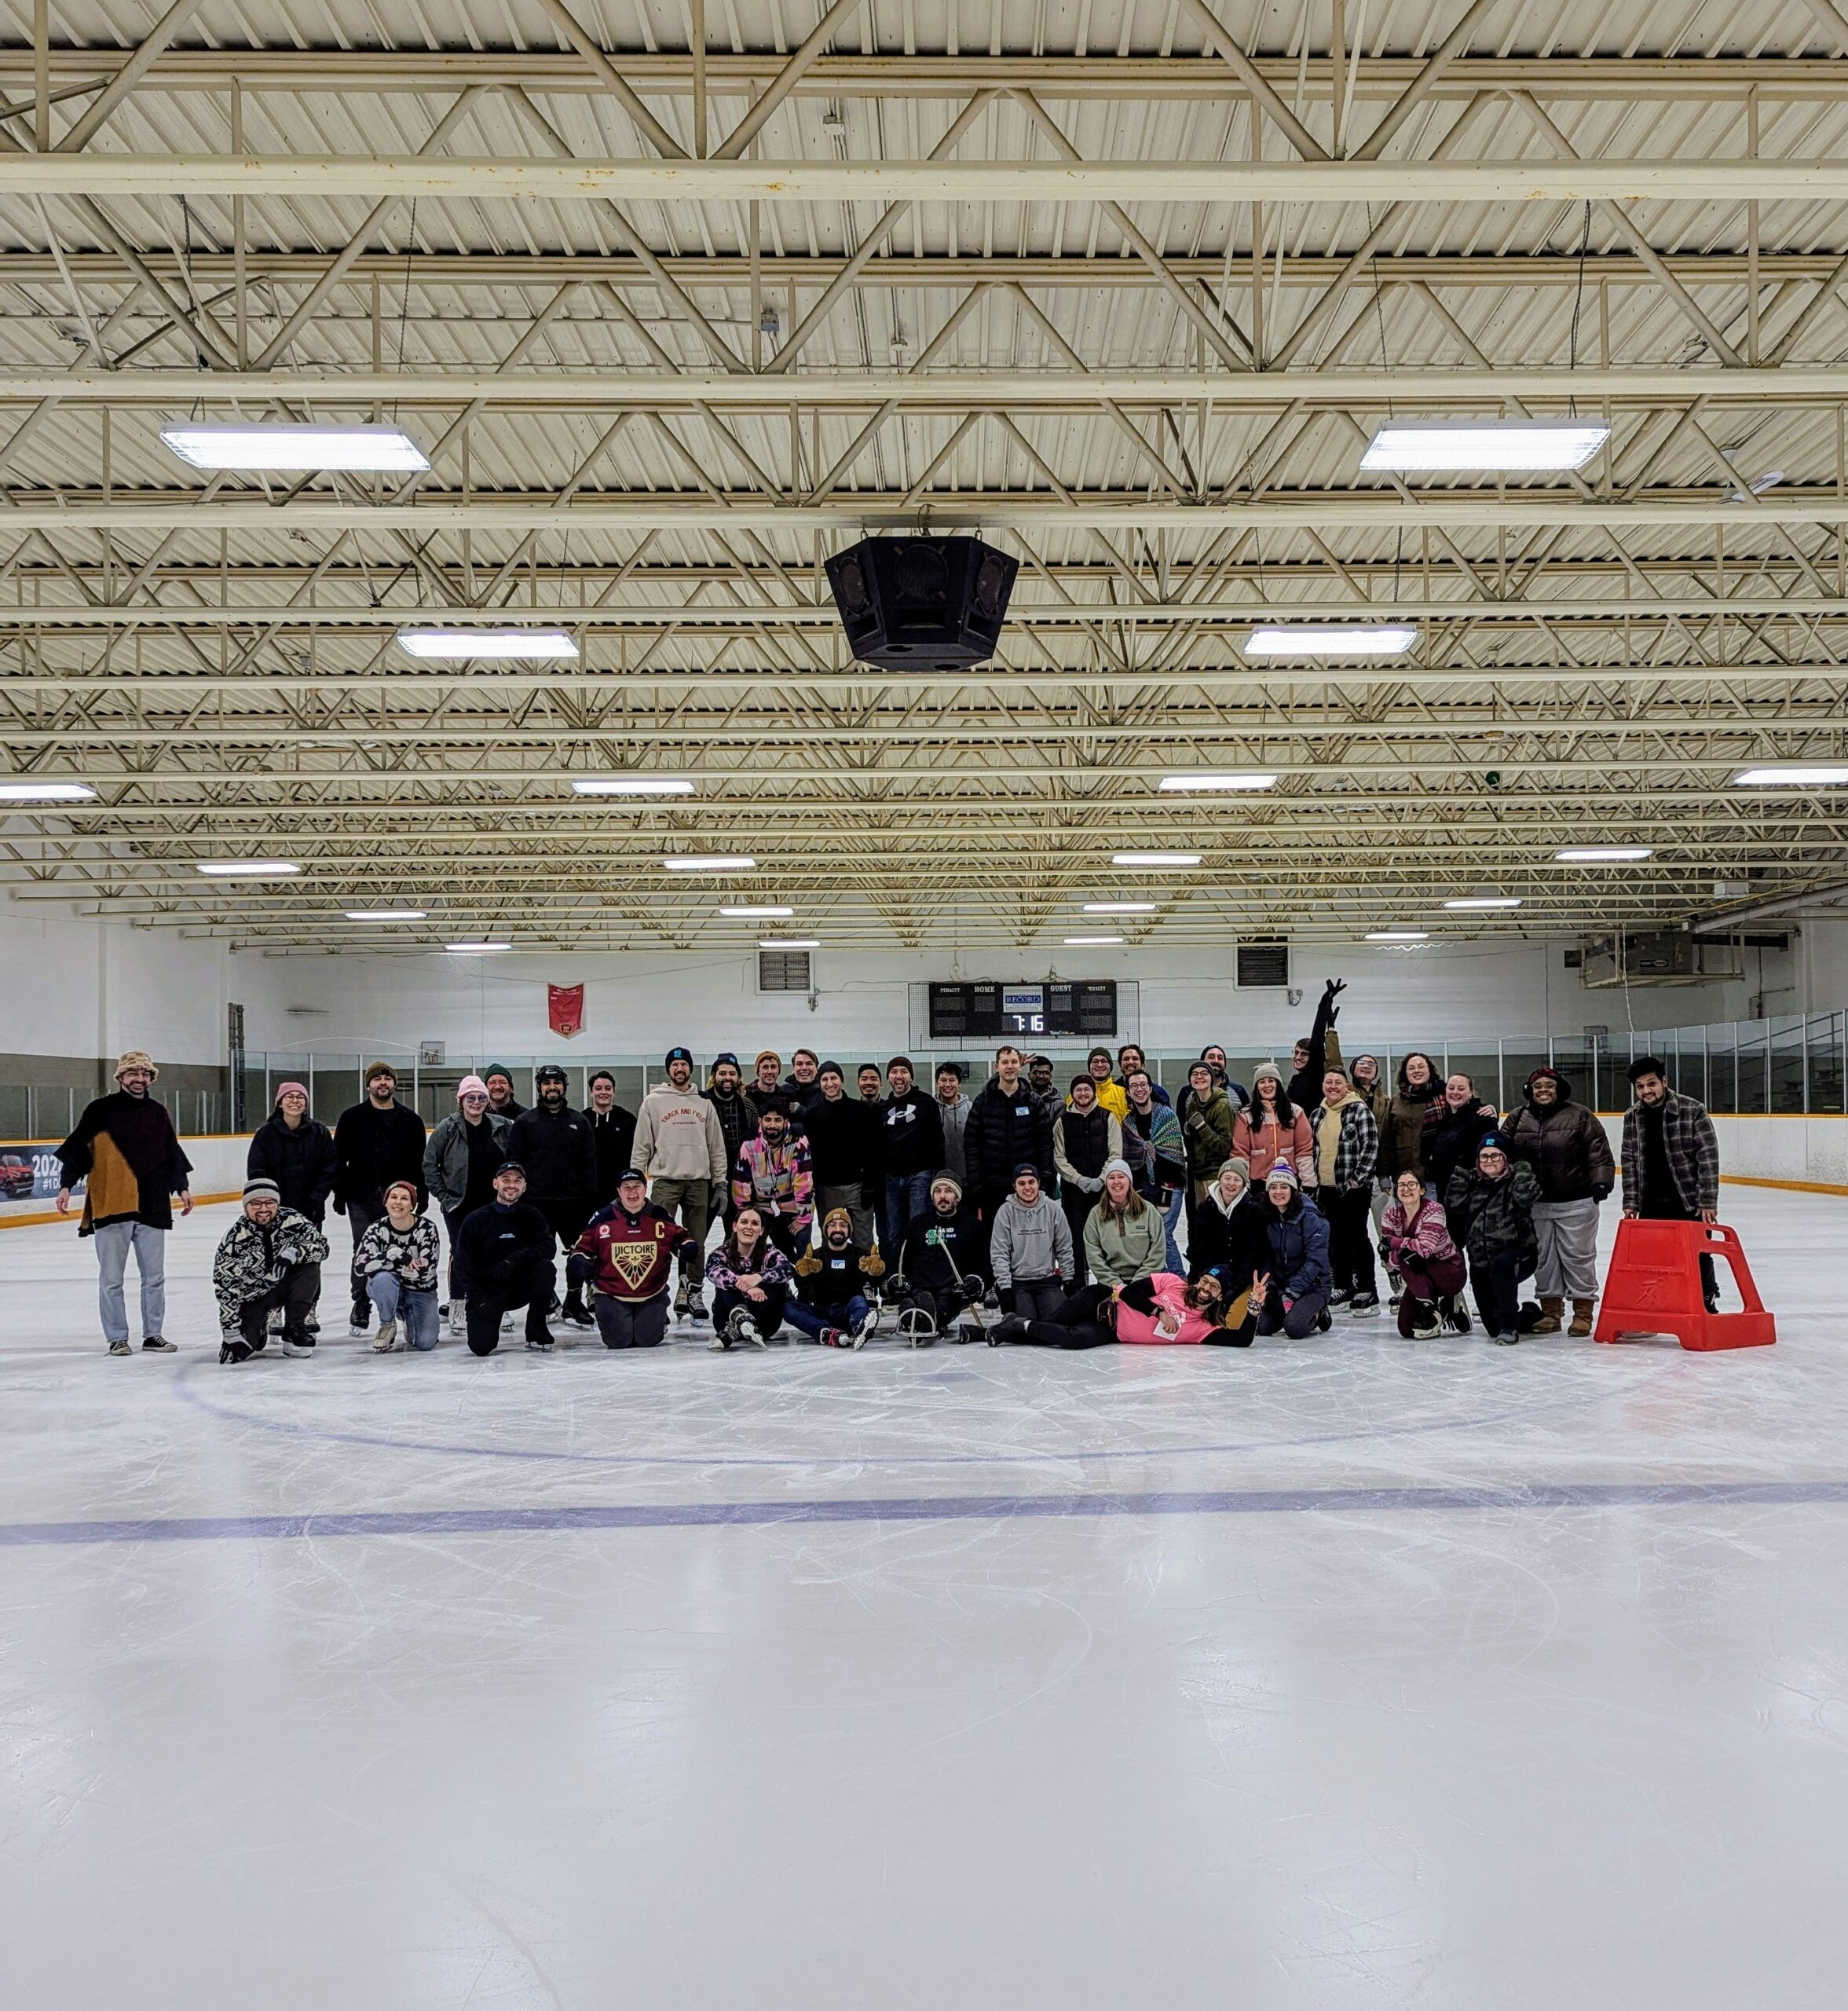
(975, 1507)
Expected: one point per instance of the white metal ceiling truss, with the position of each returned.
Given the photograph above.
(676, 324)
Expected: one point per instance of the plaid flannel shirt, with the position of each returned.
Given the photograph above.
(1691, 1148)
(1357, 1150)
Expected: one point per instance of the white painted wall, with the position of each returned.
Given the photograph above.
(83, 987)
(639, 1004)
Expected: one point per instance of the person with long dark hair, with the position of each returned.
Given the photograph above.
(1271, 1128)
(751, 1280)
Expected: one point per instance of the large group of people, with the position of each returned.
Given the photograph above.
(1101, 1209)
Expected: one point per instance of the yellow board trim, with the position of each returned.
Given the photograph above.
(1792, 1186)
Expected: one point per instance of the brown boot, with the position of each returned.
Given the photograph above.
(1552, 1316)
(1582, 1311)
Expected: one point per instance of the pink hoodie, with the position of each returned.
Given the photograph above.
(1169, 1292)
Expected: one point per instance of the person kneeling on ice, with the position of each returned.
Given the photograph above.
(1295, 1298)
(943, 1266)
(627, 1253)
(270, 1258)
(1491, 1214)
(1030, 1247)
(750, 1279)
(506, 1252)
(1161, 1311)
(831, 1305)
(1415, 1241)
(398, 1265)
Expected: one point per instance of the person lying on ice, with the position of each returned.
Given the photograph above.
(1163, 1310)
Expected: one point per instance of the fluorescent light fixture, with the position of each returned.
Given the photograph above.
(1486, 901)
(476, 949)
(46, 793)
(789, 942)
(365, 449)
(1345, 639)
(1221, 785)
(1091, 942)
(1119, 907)
(1794, 774)
(386, 914)
(1154, 859)
(462, 645)
(1603, 854)
(756, 914)
(248, 869)
(1399, 935)
(1483, 445)
(629, 785)
(717, 863)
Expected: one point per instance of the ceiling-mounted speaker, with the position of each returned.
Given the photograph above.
(922, 603)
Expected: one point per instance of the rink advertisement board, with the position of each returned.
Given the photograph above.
(29, 1172)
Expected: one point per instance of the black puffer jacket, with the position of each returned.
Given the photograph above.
(1487, 1216)
(1004, 1132)
(300, 1162)
(1565, 1143)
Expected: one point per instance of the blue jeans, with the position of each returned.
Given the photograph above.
(114, 1240)
(906, 1195)
(416, 1310)
(810, 1319)
(1169, 1220)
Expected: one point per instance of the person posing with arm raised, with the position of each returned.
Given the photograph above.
(1312, 1058)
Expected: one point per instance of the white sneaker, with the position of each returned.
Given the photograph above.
(386, 1338)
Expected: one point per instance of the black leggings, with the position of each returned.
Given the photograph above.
(1496, 1283)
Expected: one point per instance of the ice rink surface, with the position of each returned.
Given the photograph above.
(1354, 1673)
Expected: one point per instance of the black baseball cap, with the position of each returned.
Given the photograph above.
(510, 1165)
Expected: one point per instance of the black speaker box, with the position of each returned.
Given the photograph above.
(922, 603)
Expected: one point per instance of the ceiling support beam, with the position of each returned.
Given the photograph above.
(1705, 179)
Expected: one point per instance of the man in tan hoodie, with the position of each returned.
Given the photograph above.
(680, 1147)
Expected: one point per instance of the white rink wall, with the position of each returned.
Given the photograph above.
(219, 1166)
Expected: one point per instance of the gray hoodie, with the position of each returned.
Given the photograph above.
(955, 1116)
(1029, 1244)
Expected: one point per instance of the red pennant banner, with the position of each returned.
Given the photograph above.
(564, 1008)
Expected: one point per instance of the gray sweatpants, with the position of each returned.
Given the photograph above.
(1567, 1233)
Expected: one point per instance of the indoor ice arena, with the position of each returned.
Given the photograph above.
(923, 1004)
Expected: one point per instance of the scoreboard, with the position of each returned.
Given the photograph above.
(997, 1011)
